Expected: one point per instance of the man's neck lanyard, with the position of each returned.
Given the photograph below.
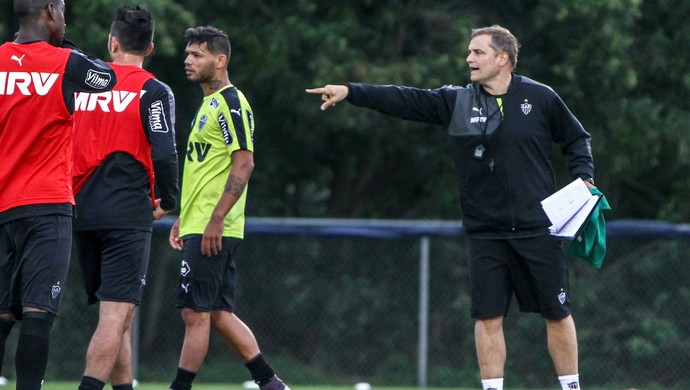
(480, 150)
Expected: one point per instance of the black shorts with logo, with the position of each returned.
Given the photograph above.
(534, 269)
(207, 283)
(34, 261)
(113, 263)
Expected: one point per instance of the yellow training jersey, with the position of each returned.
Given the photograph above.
(223, 124)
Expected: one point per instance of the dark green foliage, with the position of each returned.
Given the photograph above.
(616, 63)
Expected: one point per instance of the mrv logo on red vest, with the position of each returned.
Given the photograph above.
(110, 101)
(26, 83)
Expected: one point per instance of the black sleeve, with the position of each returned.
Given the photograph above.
(421, 105)
(158, 117)
(85, 73)
(574, 140)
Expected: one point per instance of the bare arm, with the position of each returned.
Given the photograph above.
(174, 237)
(242, 167)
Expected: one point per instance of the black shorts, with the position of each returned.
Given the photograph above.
(534, 269)
(113, 263)
(207, 283)
(34, 261)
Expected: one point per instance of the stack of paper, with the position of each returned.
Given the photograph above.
(569, 209)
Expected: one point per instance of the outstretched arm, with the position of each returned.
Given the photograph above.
(421, 105)
(330, 94)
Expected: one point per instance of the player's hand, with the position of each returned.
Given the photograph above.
(174, 239)
(330, 94)
(159, 212)
(212, 240)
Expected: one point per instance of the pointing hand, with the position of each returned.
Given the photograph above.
(330, 94)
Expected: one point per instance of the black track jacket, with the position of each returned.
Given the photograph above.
(502, 153)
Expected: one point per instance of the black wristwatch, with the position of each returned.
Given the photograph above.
(589, 180)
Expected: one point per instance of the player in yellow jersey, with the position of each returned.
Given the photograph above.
(218, 164)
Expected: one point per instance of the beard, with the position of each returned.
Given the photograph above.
(204, 75)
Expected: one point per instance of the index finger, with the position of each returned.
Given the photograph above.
(316, 90)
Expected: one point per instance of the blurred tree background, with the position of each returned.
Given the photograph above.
(621, 67)
(616, 63)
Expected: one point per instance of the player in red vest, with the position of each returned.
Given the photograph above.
(38, 80)
(124, 144)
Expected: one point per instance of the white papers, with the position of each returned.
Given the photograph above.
(569, 209)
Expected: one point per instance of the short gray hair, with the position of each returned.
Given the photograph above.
(502, 40)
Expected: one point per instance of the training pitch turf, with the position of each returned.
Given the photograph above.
(60, 385)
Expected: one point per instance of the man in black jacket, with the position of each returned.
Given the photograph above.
(502, 127)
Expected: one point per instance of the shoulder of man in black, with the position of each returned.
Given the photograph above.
(566, 129)
(538, 87)
(158, 116)
(85, 73)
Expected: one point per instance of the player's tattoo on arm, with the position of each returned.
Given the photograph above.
(235, 186)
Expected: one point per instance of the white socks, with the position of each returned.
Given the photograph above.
(570, 382)
(493, 384)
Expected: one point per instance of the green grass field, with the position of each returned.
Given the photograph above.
(53, 385)
(59, 385)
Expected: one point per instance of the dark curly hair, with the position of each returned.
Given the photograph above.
(216, 41)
